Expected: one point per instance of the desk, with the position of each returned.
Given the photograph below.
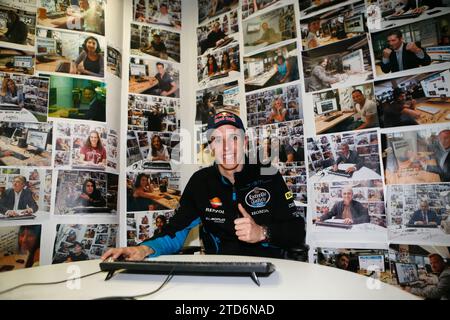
(262, 79)
(354, 79)
(322, 125)
(208, 82)
(53, 23)
(441, 116)
(140, 87)
(363, 173)
(50, 66)
(330, 40)
(42, 160)
(407, 175)
(432, 236)
(291, 280)
(158, 197)
(387, 24)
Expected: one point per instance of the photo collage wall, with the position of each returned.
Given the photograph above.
(58, 145)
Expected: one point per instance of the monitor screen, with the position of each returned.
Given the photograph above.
(440, 53)
(45, 45)
(436, 85)
(23, 62)
(138, 70)
(255, 68)
(371, 262)
(353, 61)
(354, 24)
(37, 139)
(406, 273)
(252, 27)
(326, 106)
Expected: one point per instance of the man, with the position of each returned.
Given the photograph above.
(77, 254)
(367, 109)
(424, 215)
(97, 104)
(18, 200)
(442, 157)
(348, 156)
(342, 261)
(351, 211)
(215, 197)
(311, 40)
(156, 47)
(319, 78)
(401, 112)
(215, 37)
(269, 35)
(17, 30)
(162, 17)
(155, 118)
(442, 289)
(166, 84)
(401, 55)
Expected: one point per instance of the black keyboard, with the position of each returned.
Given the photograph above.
(333, 224)
(421, 225)
(156, 165)
(341, 173)
(331, 118)
(63, 67)
(403, 16)
(20, 217)
(18, 156)
(219, 76)
(91, 209)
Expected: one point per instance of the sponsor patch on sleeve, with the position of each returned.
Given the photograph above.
(288, 195)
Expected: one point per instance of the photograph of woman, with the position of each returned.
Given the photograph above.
(10, 93)
(158, 151)
(142, 194)
(90, 196)
(90, 62)
(278, 112)
(93, 151)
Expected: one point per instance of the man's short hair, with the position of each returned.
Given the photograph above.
(447, 131)
(396, 33)
(21, 178)
(397, 93)
(357, 90)
(160, 64)
(437, 256)
(312, 21)
(163, 5)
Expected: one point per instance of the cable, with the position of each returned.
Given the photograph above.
(166, 281)
(47, 283)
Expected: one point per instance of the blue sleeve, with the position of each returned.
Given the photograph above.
(170, 245)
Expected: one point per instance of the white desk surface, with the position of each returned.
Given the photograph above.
(291, 280)
(363, 173)
(419, 235)
(207, 82)
(361, 227)
(353, 79)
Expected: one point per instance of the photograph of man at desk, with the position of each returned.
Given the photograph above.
(152, 191)
(23, 98)
(18, 26)
(269, 28)
(250, 7)
(154, 78)
(83, 192)
(79, 15)
(156, 42)
(210, 8)
(75, 98)
(270, 68)
(346, 156)
(18, 202)
(66, 52)
(25, 144)
(413, 100)
(160, 12)
(419, 156)
(419, 212)
(16, 61)
(340, 64)
(345, 109)
(334, 26)
(218, 33)
(421, 270)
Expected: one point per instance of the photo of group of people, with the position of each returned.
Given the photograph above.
(160, 12)
(80, 242)
(152, 191)
(294, 175)
(31, 188)
(18, 24)
(86, 192)
(143, 225)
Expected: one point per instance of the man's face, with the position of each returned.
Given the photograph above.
(228, 146)
(18, 185)
(394, 42)
(345, 149)
(358, 97)
(77, 248)
(84, 4)
(157, 39)
(314, 26)
(160, 69)
(216, 27)
(436, 265)
(88, 94)
(343, 262)
(89, 188)
(163, 10)
(424, 206)
(444, 139)
(347, 196)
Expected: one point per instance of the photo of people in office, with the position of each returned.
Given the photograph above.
(250, 7)
(152, 191)
(18, 24)
(16, 61)
(75, 98)
(269, 28)
(413, 100)
(419, 213)
(218, 67)
(345, 109)
(211, 8)
(154, 78)
(340, 64)
(20, 247)
(160, 12)
(149, 113)
(156, 42)
(86, 192)
(349, 206)
(77, 15)
(310, 6)
(152, 150)
(23, 98)
(294, 175)
(344, 156)
(344, 23)
(417, 156)
(210, 101)
(403, 48)
(421, 270)
(367, 262)
(144, 225)
(270, 68)
(218, 33)
(273, 106)
(114, 61)
(25, 144)
(66, 52)
(79, 242)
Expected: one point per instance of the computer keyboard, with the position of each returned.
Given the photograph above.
(156, 165)
(219, 76)
(18, 156)
(63, 67)
(421, 225)
(341, 173)
(91, 209)
(10, 106)
(331, 118)
(403, 16)
(333, 224)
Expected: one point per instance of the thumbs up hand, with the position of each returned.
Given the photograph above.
(246, 228)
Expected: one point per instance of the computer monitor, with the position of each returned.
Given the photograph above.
(138, 70)
(253, 27)
(37, 139)
(354, 24)
(353, 61)
(326, 106)
(23, 61)
(255, 68)
(407, 273)
(436, 85)
(439, 53)
(46, 46)
(371, 262)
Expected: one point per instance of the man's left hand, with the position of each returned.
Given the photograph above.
(246, 228)
(350, 170)
(413, 48)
